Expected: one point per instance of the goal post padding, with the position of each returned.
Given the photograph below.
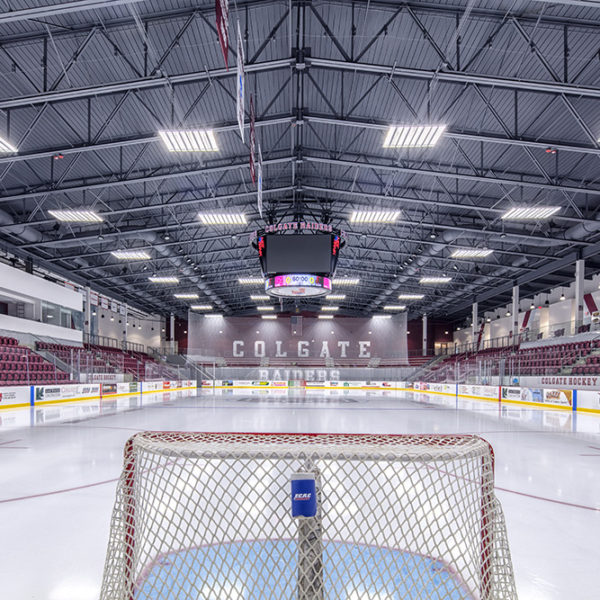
(207, 516)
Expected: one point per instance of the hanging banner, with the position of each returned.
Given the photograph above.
(259, 187)
(122, 310)
(252, 141)
(240, 81)
(222, 10)
(93, 298)
(104, 303)
(113, 306)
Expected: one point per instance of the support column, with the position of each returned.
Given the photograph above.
(424, 334)
(577, 313)
(475, 325)
(515, 314)
(172, 328)
(88, 313)
(124, 346)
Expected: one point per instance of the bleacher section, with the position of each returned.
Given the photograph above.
(19, 365)
(94, 358)
(571, 358)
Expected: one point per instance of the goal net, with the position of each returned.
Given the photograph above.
(207, 516)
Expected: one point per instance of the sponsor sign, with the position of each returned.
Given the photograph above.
(206, 383)
(260, 383)
(109, 388)
(104, 303)
(511, 393)
(558, 397)
(13, 395)
(114, 307)
(93, 298)
(482, 391)
(166, 385)
(279, 384)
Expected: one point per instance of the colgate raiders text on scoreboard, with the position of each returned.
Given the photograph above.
(302, 349)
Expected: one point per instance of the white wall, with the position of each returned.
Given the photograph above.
(23, 283)
(148, 335)
(40, 329)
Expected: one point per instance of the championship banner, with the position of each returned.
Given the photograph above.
(259, 187)
(252, 141)
(222, 13)
(240, 81)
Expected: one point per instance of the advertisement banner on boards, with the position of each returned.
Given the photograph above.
(510, 393)
(14, 395)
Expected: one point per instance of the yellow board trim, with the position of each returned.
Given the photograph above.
(537, 405)
(20, 405)
(594, 411)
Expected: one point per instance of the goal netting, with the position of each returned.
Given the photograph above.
(207, 516)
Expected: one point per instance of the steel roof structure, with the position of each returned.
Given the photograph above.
(87, 84)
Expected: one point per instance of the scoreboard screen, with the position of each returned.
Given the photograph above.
(309, 253)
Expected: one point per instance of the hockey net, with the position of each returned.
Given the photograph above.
(206, 516)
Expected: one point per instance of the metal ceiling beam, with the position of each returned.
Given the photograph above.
(136, 180)
(526, 85)
(459, 135)
(132, 141)
(62, 8)
(449, 175)
(139, 84)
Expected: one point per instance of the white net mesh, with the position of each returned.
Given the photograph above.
(208, 516)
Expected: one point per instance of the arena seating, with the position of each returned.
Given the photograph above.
(576, 358)
(94, 358)
(21, 366)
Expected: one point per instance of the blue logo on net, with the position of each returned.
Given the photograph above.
(302, 496)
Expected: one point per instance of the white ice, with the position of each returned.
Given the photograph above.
(59, 465)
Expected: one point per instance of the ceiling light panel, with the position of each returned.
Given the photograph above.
(413, 136)
(223, 218)
(201, 307)
(428, 280)
(251, 280)
(470, 253)
(258, 297)
(394, 307)
(7, 147)
(76, 216)
(382, 316)
(336, 297)
(346, 281)
(411, 296)
(214, 316)
(530, 213)
(190, 140)
(131, 254)
(375, 216)
(265, 308)
(325, 317)
(186, 296)
(330, 308)
(167, 279)
(269, 317)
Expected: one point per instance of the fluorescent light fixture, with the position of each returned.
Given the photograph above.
(330, 308)
(257, 297)
(411, 296)
(76, 216)
(268, 317)
(530, 213)
(394, 307)
(426, 280)
(336, 297)
(168, 279)
(201, 307)
(413, 136)
(186, 296)
(7, 147)
(223, 218)
(251, 280)
(325, 317)
(382, 316)
(346, 281)
(190, 140)
(374, 216)
(470, 253)
(131, 254)
(265, 308)
(213, 316)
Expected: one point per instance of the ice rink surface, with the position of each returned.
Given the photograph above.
(59, 465)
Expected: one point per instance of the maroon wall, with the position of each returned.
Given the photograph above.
(435, 334)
